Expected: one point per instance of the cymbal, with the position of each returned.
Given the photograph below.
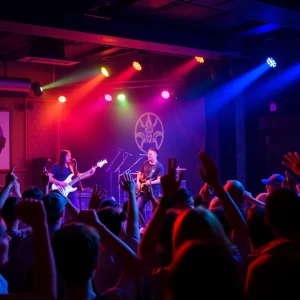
(181, 169)
(134, 173)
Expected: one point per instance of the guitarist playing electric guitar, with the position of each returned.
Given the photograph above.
(149, 174)
(61, 170)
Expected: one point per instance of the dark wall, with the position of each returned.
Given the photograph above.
(94, 130)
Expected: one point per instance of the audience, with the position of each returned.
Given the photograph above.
(211, 245)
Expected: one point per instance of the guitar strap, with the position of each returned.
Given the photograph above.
(153, 170)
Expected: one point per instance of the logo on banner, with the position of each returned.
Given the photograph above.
(149, 132)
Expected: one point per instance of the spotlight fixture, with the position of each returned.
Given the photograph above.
(37, 89)
(108, 97)
(137, 65)
(271, 62)
(199, 59)
(104, 72)
(165, 94)
(62, 99)
(121, 97)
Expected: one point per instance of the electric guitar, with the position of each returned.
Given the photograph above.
(141, 189)
(68, 189)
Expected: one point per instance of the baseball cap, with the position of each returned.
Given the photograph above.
(274, 179)
(54, 203)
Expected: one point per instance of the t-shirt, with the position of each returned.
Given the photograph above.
(60, 173)
(147, 168)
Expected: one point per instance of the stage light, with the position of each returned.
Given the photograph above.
(104, 72)
(199, 59)
(37, 89)
(165, 94)
(271, 62)
(62, 99)
(137, 65)
(108, 97)
(121, 97)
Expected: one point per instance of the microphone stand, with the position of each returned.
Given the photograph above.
(134, 164)
(125, 155)
(110, 171)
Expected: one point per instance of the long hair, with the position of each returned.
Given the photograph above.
(62, 157)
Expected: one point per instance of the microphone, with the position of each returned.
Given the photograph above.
(143, 154)
(119, 149)
(127, 153)
(74, 160)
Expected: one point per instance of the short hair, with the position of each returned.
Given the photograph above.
(282, 211)
(259, 232)
(154, 150)
(76, 251)
(9, 212)
(32, 192)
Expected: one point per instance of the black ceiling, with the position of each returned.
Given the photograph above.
(95, 29)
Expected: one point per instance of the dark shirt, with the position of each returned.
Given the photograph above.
(60, 173)
(147, 168)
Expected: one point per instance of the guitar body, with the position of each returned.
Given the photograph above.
(67, 189)
(143, 183)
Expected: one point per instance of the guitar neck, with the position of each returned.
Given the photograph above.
(81, 176)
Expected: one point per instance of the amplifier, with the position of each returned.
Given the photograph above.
(84, 198)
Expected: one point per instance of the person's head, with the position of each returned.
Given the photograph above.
(33, 193)
(54, 204)
(9, 211)
(184, 199)
(282, 213)
(152, 154)
(203, 270)
(273, 183)
(199, 224)
(76, 253)
(108, 202)
(112, 219)
(64, 157)
(4, 243)
(236, 191)
(259, 232)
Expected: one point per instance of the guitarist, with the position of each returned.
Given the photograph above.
(149, 174)
(61, 170)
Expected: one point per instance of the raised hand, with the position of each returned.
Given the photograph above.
(97, 197)
(11, 178)
(292, 162)
(288, 181)
(169, 184)
(32, 212)
(127, 183)
(45, 179)
(17, 189)
(209, 172)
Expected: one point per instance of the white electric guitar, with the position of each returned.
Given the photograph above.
(68, 189)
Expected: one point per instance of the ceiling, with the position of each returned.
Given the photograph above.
(115, 29)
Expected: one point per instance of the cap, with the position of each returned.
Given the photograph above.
(54, 203)
(274, 179)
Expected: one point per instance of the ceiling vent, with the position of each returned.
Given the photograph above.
(48, 61)
(47, 51)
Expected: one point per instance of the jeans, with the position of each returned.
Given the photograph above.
(74, 200)
(143, 200)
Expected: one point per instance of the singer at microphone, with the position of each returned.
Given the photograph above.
(149, 176)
